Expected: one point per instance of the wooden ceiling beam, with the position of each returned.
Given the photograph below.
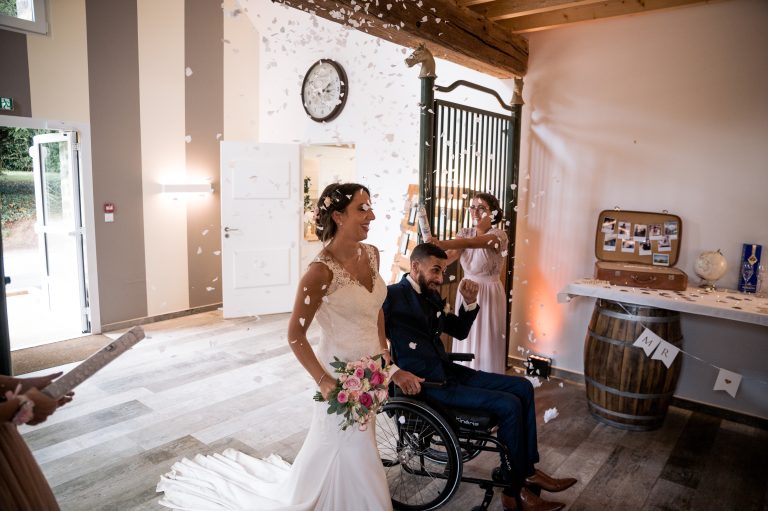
(450, 31)
(505, 9)
(604, 9)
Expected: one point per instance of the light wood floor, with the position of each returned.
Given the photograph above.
(201, 384)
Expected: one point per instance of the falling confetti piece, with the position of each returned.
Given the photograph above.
(550, 414)
(188, 71)
(534, 381)
(412, 345)
(306, 299)
(561, 385)
(209, 289)
(217, 252)
(401, 419)
(199, 250)
(205, 232)
(451, 277)
(301, 321)
(188, 139)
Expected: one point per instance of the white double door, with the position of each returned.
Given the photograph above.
(261, 215)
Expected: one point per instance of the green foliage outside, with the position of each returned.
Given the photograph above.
(17, 188)
(14, 150)
(8, 7)
(17, 197)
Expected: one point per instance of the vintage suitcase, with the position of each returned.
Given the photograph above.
(639, 249)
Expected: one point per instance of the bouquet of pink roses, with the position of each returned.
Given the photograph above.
(361, 390)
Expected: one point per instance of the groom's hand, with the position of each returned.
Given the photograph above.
(407, 381)
(468, 289)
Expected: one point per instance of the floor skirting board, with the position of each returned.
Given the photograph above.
(122, 325)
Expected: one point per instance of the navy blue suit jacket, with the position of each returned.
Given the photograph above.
(413, 326)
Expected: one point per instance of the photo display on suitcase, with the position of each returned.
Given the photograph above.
(639, 249)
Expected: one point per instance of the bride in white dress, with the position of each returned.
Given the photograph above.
(335, 470)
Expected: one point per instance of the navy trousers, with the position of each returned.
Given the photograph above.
(510, 398)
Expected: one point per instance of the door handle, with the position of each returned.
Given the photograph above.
(228, 229)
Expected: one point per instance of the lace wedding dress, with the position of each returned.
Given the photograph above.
(335, 470)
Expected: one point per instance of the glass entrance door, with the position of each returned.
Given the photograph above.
(51, 303)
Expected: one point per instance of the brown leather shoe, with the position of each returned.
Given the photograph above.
(549, 483)
(530, 502)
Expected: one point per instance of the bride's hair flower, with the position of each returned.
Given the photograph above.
(360, 392)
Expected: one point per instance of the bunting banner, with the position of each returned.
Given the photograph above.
(728, 381)
(665, 352)
(648, 341)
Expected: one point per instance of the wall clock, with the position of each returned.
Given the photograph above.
(324, 91)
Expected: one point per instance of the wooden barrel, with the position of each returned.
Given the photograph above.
(626, 388)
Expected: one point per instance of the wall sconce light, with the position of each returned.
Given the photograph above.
(536, 365)
(199, 188)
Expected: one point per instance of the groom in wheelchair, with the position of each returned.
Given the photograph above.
(415, 317)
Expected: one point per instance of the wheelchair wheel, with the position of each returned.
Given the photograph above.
(409, 435)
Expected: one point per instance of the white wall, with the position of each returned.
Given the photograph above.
(381, 114)
(58, 65)
(163, 152)
(666, 110)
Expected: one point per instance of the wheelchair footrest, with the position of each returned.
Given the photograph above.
(487, 498)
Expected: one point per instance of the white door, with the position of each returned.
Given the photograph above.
(59, 228)
(261, 214)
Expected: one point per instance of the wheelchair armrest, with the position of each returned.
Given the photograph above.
(461, 357)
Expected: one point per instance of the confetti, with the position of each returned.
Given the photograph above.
(188, 71)
(306, 299)
(534, 381)
(550, 414)
(412, 345)
(301, 321)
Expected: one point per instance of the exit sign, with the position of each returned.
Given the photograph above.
(6, 103)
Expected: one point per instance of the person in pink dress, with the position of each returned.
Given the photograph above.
(481, 250)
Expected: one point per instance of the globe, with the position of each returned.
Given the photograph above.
(709, 267)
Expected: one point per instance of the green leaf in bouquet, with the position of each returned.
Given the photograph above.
(339, 365)
(318, 397)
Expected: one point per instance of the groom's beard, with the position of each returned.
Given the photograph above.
(426, 286)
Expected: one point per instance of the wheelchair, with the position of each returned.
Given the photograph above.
(423, 446)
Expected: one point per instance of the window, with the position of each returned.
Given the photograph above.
(24, 16)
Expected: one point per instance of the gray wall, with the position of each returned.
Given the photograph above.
(113, 76)
(14, 72)
(204, 31)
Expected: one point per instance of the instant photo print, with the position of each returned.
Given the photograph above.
(639, 249)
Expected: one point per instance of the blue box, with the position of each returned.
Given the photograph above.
(749, 267)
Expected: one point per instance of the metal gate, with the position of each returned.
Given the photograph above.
(466, 150)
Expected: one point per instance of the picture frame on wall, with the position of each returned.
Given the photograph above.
(404, 243)
(412, 214)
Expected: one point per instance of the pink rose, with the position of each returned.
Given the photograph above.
(366, 400)
(353, 383)
(343, 378)
(354, 395)
(342, 397)
(382, 395)
(359, 372)
(377, 378)
(373, 365)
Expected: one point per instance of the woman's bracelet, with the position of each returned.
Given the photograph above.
(321, 378)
